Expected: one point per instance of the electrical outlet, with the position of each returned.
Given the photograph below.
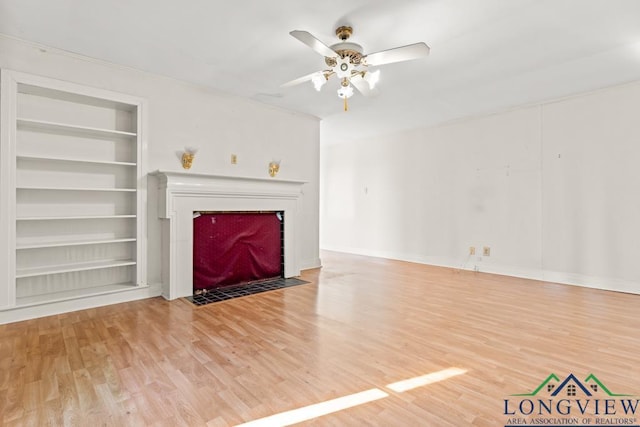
(486, 251)
(472, 250)
(234, 159)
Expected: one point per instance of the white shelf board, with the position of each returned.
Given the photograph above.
(51, 218)
(85, 130)
(69, 268)
(63, 159)
(74, 294)
(131, 190)
(73, 243)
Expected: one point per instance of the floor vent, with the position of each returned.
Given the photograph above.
(229, 292)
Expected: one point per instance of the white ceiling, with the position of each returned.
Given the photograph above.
(486, 55)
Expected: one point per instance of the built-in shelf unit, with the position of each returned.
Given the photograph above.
(72, 201)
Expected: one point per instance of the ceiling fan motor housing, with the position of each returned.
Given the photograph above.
(348, 50)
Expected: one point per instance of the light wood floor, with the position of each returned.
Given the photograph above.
(363, 323)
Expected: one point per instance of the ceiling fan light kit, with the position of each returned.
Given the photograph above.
(347, 62)
(319, 80)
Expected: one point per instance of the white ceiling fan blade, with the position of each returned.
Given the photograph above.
(362, 85)
(398, 54)
(299, 80)
(315, 44)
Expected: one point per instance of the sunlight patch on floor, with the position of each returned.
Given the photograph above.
(334, 405)
(423, 380)
(312, 411)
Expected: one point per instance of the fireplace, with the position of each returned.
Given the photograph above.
(236, 248)
(183, 194)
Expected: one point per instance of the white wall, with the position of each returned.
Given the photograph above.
(179, 115)
(591, 188)
(552, 189)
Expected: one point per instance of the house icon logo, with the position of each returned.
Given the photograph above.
(572, 401)
(571, 387)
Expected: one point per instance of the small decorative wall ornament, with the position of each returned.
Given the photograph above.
(274, 168)
(187, 157)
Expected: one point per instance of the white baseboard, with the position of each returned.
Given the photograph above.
(17, 314)
(605, 283)
(574, 279)
(309, 264)
(420, 259)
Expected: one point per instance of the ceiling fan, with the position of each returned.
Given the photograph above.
(347, 62)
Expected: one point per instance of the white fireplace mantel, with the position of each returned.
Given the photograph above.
(183, 193)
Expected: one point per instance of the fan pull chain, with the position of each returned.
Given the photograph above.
(346, 107)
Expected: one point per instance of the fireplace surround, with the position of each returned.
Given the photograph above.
(182, 194)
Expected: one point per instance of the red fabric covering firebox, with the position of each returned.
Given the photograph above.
(235, 248)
